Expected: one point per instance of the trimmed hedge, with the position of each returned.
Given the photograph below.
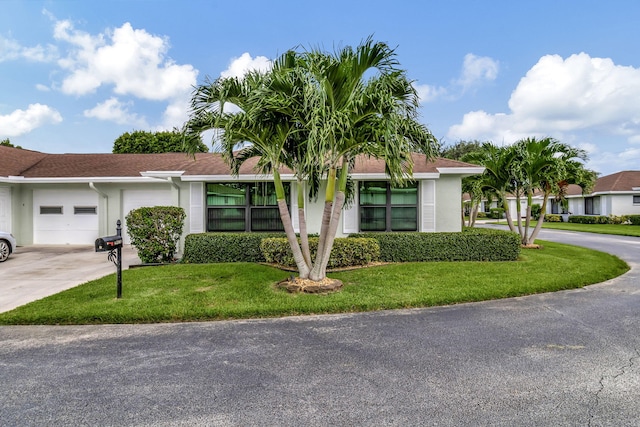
(344, 253)
(601, 219)
(155, 232)
(204, 248)
(634, 219)
(552, 218)
(470, 245)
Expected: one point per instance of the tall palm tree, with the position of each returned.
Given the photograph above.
(314, 113)
(363, 105)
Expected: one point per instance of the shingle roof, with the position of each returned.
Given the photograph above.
(619, 181)
(14, 161)
(33, 164)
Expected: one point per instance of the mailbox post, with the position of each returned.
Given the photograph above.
(113, 244)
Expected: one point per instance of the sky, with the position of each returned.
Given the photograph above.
(75, 75)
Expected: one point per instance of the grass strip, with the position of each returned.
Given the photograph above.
(202, 292)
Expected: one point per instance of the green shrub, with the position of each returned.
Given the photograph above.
(470, 245)
(600, 219)
(634, 219)
(204, 248)
(535, 211)
(155, 232)
(583, 219)
(481, 215)
(496, 213)
(344, 253)
(552, 218)
(618, 219)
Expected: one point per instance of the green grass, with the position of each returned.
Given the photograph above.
(193, 292)
(617, 229)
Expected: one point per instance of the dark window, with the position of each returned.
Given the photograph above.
(386, 208)
(85, 210)
(244, 207)
(50, 210)
(636, 200)
(592, 205)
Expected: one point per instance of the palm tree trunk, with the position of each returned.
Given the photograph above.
(473, 214)
(527, 222)
(303, 269)
(507, 214)
(285, 217)
(304, 235)
(538, 226)
(331, 235)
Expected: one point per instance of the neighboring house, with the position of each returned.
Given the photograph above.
(75, 198)
(615, 194)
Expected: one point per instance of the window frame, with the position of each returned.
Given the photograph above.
(590, 205)
(388, 207)
(250, 206)
(636, 199)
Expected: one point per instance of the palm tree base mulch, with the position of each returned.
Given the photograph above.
(296, 284)
(532, 246)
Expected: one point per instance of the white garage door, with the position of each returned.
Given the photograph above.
(134, 199)
(65, 217)
(5, 209)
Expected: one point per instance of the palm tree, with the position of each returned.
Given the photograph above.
(498, 177)
(314, 113)
(531, 165)
(549, 167)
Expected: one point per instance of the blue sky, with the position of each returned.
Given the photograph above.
(74, 75)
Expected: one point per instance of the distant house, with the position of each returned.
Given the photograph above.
(615, 194)
(75, 198)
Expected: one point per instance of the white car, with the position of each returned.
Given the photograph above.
(7, 245)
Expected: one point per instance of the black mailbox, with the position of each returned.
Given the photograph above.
(107, 243)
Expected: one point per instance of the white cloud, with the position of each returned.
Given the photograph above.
(239, 66)
(558, 96)
(428, 93)
(12, 50)
(114, 110)
(43, 88)
(132, 60)
(608, 162)
(20, 122)
(477, 69)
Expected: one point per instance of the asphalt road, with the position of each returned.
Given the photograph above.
(563, 359)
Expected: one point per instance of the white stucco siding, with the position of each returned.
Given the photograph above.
(576, 206)
(65, 216)
(5, 209)
(622, 204)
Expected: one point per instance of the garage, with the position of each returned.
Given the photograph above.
(134, 199)
(65, 217)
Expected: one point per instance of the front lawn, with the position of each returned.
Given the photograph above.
(197, 292)
(617, 229)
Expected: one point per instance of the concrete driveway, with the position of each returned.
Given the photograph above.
(36, 271)
(562, 359)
